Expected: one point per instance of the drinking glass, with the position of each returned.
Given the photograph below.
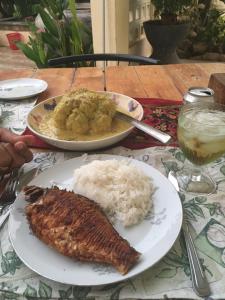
(201, 136)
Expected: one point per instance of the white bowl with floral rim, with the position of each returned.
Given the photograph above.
(45, 108)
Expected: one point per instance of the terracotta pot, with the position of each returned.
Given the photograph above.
(13, 38)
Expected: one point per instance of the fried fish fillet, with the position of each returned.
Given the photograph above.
(77, 227)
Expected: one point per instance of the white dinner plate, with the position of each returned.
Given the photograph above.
(153, 237)
(14, 89)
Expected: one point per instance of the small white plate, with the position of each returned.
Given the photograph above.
(14, 89)
(153, 237)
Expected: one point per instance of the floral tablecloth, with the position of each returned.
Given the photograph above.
(13, 113)
(170, 278)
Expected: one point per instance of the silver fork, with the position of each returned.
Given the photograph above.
(8, 195)
(16, 187)
(199, 280)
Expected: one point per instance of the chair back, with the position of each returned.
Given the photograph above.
(91, 59)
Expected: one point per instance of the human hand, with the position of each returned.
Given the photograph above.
(14, 151)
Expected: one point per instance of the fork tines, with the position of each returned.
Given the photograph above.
(8, 194)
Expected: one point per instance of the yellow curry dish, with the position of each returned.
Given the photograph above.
(83, 115)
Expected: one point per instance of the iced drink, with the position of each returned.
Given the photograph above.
(201, 133)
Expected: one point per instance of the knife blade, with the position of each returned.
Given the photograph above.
(199, 282)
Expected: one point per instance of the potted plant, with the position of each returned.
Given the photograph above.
(61, 35)
(169, 29)
(206, 37)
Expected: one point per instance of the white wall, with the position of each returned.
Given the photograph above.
(139, 11)
(123, 26)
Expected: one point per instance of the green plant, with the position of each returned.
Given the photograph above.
(6, 8)
(61, 36)
(170, 10)
(207, 31)
(18, 8)
(25, 8)
(213, 31)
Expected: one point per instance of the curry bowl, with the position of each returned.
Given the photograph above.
(44, 111)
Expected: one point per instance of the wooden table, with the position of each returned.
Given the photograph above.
(168, 82)
(162, 81)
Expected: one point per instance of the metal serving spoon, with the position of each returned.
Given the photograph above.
(157, 134)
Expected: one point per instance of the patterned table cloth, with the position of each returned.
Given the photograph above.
(170, 278)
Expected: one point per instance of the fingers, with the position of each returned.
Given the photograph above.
(22, 150)
(27, 139)
(7, 136)
(5, 157)
(10, 137)
(17, 159)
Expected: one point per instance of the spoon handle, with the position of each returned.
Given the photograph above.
(157, 134)
(199, 281)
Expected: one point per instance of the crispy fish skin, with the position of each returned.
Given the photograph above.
(77, 227)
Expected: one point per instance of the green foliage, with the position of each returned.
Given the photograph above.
(171, 7)
(18, 8)
(25, 8)
(208, 28)
(6, 8)
(10, 263)
(213, 31)
(61, 36)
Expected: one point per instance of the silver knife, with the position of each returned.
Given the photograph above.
(199, 281)
(157, 134)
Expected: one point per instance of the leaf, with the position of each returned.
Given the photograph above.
(80, 292)
(66, 294)
(76, 36)
(17, 262)
(50, 40)
(44, 291)
(212, 211)
(49, 22)
(116, 294)
(171, 166)
(190, 215)
(197, 211)
(172, 150)
(183, 246)
(187, 270)
(222, 170)
(29, 52)
(180, 156)
(167, 273)
(30, 292)
(5, 265)
(108, 287)
(182, 196)
(174, 258)
(171, 263)
(200, 199)
(10, 255)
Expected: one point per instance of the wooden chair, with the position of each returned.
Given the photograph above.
(91, 59)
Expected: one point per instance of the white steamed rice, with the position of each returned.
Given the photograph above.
(121, 189)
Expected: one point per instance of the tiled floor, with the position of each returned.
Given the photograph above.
(14, 59)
